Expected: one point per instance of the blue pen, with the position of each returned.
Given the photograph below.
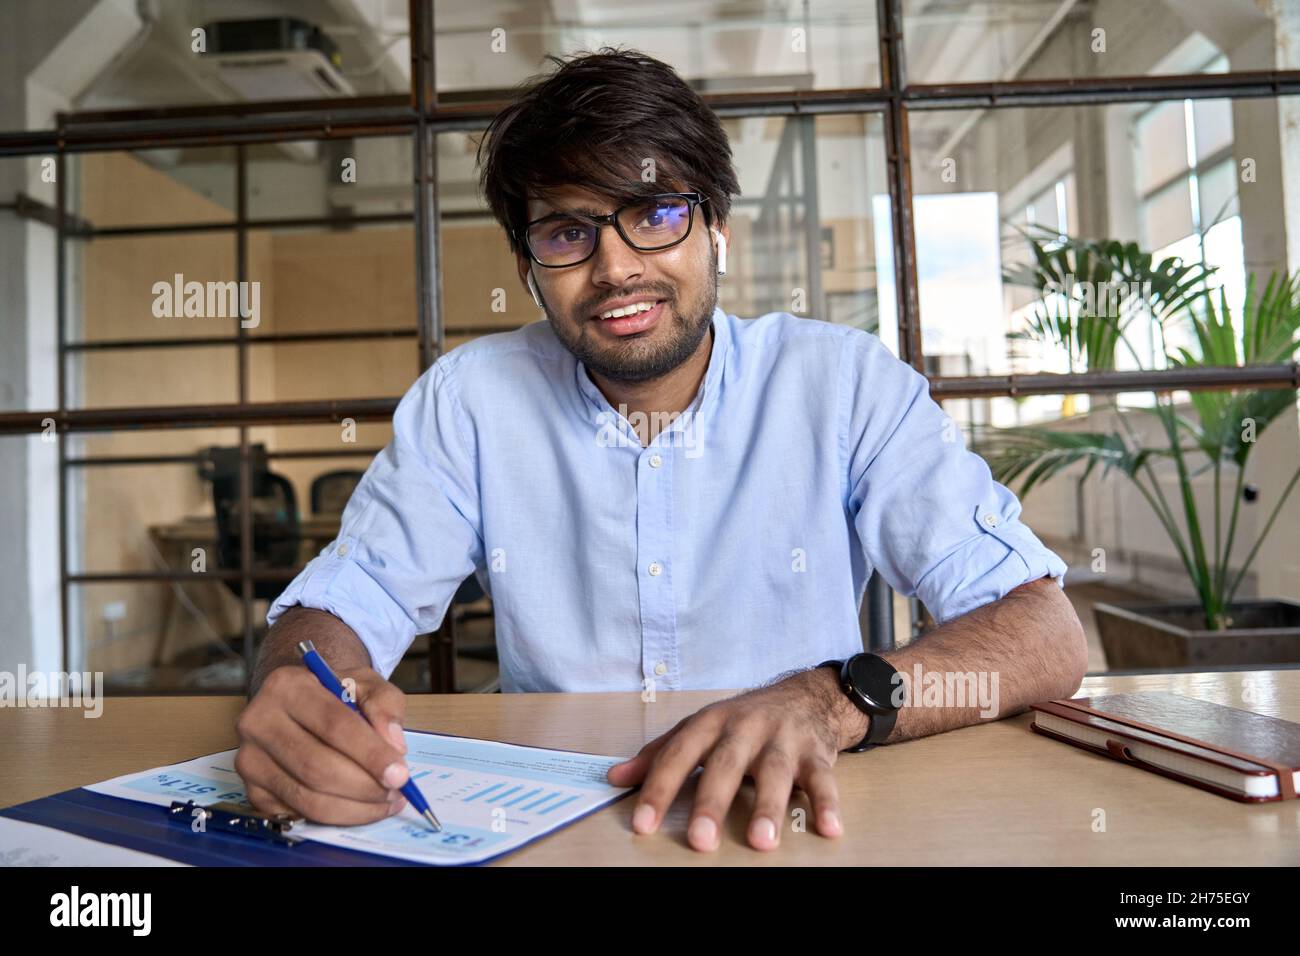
(316, 664)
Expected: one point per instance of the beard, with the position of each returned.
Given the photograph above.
(639, 358)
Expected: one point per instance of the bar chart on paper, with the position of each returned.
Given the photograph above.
(490, 797)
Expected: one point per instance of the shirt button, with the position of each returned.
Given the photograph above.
(655, 568)
(991, 520)
(655, 461)
(342, 551)
(661, 668)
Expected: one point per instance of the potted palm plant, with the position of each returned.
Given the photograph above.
(1091, 297)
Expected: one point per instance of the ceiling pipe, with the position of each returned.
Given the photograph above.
(1028, 53)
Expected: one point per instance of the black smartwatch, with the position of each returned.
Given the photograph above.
(873, 684)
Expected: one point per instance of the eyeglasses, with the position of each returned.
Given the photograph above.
(647, 225)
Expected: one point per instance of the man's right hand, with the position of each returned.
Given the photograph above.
(302, 751)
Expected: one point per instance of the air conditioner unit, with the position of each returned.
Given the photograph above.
(276, 58)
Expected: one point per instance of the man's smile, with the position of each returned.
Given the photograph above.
(639, 316)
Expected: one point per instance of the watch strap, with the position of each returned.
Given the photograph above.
(880, 723)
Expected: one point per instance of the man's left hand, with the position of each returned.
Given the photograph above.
(783, 735)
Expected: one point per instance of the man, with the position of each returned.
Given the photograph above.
(658, 495)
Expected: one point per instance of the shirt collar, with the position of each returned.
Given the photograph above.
(707, 396)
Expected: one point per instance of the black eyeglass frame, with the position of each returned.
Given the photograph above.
(693, 199)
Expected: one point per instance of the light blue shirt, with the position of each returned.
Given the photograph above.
(732, 548)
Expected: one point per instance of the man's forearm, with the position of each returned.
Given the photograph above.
(335, 641)
(1024, 648)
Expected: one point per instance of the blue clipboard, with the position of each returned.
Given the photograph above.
(148, 828)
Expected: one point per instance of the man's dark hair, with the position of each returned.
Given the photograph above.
(591, 123)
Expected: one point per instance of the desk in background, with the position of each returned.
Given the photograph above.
(175, 543)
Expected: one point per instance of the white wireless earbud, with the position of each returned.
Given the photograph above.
(722, 252)
(532, 287)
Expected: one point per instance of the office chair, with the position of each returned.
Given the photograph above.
(330, 492)
(442, 647)
(277, 537)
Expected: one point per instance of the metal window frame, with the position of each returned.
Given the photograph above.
(423, 118)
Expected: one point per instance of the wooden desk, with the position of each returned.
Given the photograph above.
(203, 530)
(993, 794)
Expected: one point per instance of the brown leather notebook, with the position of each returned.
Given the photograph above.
(1234, 753)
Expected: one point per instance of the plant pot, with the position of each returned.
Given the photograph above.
(1153, 634)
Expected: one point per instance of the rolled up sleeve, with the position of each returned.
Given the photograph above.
(410, 534)
(927, 511)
